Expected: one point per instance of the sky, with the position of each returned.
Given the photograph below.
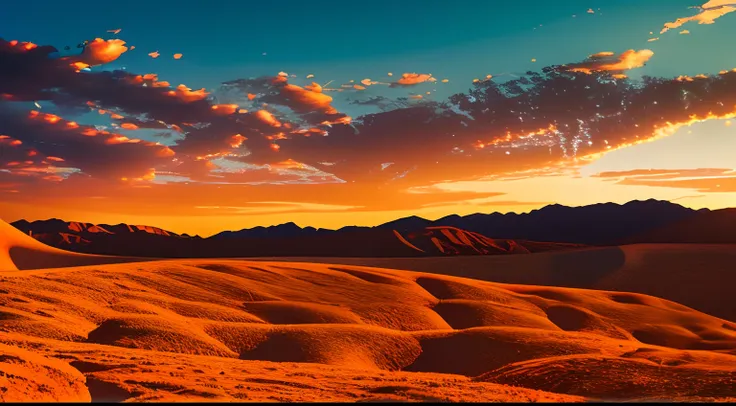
(200, 118)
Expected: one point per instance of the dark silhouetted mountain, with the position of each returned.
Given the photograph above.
(597, 224)
(280, 231)
(556, 226)
(407, 224)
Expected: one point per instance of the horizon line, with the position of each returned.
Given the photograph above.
(380, 224)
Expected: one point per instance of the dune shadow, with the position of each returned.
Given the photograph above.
(575, 269)
(586, 267)
(107, 392)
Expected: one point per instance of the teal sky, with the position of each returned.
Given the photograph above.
(336, 40)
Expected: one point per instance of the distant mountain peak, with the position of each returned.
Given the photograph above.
(595, 224)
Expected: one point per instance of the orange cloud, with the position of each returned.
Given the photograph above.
(237, 140)
(149, 79)
(268, 118)
(411, 79)
(154, 54)
(128, 126)
(188, 95)
(309, 132)
(52, 140)
(704, 180)
(100, 52)
(225, 109)
(314, 87)
(709, 13)
(178, 56)
(666, 173)
(308, 99)
(606, 61)
(22, 46)
(10, 141)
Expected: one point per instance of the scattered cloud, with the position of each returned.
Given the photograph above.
(412, 79)
(51, 146)
(708, 13)
(260, 208)
(609, 62)
(267, 130)
(704, 180)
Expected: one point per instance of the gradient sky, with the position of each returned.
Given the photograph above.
(575, 134)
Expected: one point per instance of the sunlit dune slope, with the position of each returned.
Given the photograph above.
(19, 251)
(119, 324)
(26, 376)
(700, 276)
(445, 240)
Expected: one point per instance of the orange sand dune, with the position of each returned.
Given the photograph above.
(230, 314)
(230, 330)
(700, 276)
(26, 376)
(19, 251)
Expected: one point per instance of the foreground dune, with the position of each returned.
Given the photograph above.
(243, 330)
(700, 276)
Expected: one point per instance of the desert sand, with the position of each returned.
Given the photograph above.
(234, 330)
(700, 276)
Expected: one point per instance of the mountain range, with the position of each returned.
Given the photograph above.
(553, 227)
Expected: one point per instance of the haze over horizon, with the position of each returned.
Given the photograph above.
(359, 117)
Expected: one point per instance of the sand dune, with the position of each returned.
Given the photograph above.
(700, 276)
(229, 330)
(29, 377)
(348, 321)
(19, 251)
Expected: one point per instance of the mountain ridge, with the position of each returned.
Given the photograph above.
(602, 224)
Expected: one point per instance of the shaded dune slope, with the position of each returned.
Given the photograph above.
(351, 318)
(700, 276)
